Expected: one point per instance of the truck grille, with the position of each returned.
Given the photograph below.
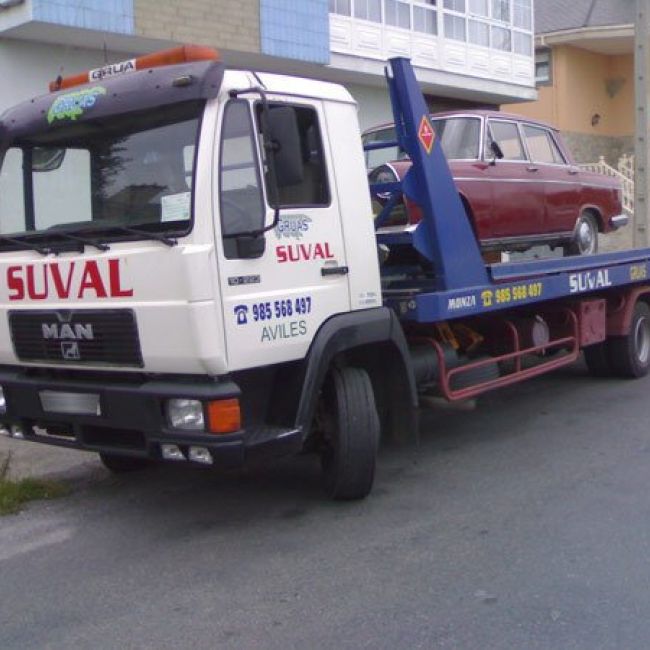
(84, 336)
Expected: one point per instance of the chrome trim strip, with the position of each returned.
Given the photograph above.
(529, 180)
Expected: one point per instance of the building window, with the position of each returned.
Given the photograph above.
(522, 14)
(543, 67)
(479, 33)
(341, 7)
(454, 27)
(478, 8)
(368, 10)
(397, 13)
(425, 19)
(501, 38)
(455, 5)
(501, 10)
(523, 43)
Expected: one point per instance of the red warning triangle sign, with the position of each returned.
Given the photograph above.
(426, 134)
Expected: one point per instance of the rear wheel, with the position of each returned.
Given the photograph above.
(630, 355)
(118, 464)
(350, 436)
(585, 236)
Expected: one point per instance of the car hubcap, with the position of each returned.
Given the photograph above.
(586, 237)
(642, 340)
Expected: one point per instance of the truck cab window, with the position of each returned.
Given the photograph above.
(312, 189)
(12, 204)
(240, 192)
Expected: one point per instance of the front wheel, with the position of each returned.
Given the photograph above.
(585, 236)
(350, 437)
(629, 355)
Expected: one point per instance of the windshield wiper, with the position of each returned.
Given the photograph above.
(158, 236)
(95, 243)
(26, 244)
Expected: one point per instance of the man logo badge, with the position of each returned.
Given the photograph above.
(70, 350)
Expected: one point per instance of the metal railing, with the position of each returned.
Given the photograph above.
(625, 173)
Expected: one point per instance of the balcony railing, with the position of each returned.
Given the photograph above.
(483, 38)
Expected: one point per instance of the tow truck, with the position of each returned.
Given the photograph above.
(189, 272)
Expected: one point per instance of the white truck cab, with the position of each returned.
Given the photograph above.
(184, 250)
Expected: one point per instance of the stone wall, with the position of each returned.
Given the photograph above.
(587, 148)
(226, 24)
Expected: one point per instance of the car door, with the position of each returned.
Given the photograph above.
(561, 181)
(274, 300)
(517, 190)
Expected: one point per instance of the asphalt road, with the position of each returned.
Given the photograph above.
(524, 524)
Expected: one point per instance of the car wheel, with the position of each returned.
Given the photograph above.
(118, 464)
(585, 236)
(629, 355)
(351, 434)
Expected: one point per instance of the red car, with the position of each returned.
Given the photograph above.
(518, 182)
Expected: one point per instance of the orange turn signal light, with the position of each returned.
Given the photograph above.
(183, 54)
(224, 416)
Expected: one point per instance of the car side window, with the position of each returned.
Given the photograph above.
(541, 146)
(506, 135)
(312, 188)
(240, 189)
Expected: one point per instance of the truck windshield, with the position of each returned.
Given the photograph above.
(111, 175)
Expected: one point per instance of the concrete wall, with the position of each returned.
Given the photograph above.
(26, 68)
(227, 24)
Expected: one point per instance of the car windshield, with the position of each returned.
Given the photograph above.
(124, 171)
(460, 139)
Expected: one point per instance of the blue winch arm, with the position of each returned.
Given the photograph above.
(444, 236)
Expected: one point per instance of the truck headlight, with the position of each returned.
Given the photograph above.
(185, 414)
(3, 401)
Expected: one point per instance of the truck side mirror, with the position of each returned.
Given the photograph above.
(287, 150)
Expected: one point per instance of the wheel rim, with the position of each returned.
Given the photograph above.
(642, 340)
(586, 237)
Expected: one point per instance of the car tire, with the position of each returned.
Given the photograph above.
(118, 464)
(585, 236)
(629, 355)
(351, 434)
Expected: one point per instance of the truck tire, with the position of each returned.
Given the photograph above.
(597, 360)
(118, 464)
(629, 355)
(351, 434)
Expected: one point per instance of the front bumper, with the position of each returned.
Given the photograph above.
(132, 420)
(619, 221)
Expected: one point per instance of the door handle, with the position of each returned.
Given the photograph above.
(573, 171)
(532, 168)
(334, 270)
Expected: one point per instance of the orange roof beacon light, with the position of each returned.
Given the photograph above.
(183, 54)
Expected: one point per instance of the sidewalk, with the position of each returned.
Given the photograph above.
(31, 459)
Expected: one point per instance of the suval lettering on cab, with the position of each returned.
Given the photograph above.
(64, 281)
(303, 252)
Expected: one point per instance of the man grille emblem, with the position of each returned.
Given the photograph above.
(70, 350)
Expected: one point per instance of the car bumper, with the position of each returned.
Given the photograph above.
(132, 421)
(619, 221)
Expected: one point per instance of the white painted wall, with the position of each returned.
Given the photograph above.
(26, 68)
(374, 105)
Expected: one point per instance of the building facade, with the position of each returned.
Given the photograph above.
(465, 52)
(585, 75)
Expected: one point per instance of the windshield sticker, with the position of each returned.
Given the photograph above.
(176, 207)
(72, 105)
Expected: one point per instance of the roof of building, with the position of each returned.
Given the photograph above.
(559, 15)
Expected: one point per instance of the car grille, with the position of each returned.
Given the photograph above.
(85, 336)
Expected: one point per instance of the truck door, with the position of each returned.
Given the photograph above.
(280, 286)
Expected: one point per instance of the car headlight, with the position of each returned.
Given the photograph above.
(185, 414)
